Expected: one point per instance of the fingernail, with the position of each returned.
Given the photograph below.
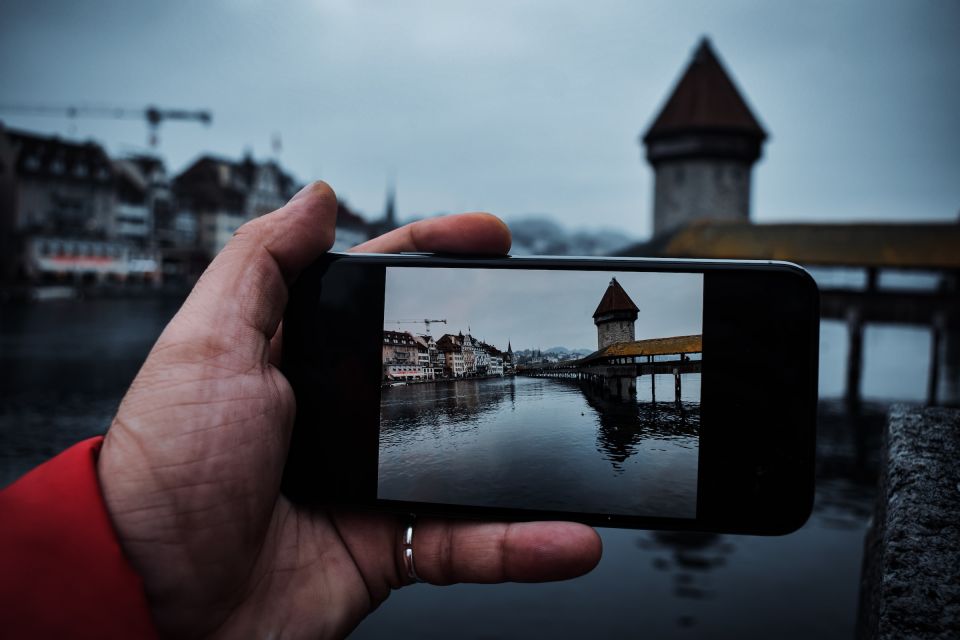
(303, 192)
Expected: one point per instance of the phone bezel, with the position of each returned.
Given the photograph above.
(752, 479)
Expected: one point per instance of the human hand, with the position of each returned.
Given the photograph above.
(191, 466)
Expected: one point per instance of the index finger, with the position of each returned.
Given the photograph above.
(463, 233)
(450, 551)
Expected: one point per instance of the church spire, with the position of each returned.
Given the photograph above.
(390, 208)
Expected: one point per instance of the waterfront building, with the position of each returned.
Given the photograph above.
(401, 357)
(351, 228)
(495, 366)
(61, 216)
(469, 353)
(615, 317)
(702, 146)
(481, 357)
(423, 356)
(437, 359)
(173, 231)
(221, 195)
(429, 357)
(133, 216)
(453, 356)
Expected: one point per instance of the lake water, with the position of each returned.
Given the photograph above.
(540, 443)
(65, 365)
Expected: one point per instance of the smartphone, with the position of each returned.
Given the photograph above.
(642, 393)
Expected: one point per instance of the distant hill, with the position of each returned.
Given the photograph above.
(553, 353)
(540, 235)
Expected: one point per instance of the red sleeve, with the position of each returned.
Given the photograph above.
(62, 572)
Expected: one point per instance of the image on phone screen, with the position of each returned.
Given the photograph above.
(542, 390)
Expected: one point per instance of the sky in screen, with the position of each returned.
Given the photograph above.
(538, 309)
(516, 108)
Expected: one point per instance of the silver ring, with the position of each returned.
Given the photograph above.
(406, 550)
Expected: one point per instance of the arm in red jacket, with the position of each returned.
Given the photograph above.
(62, 571)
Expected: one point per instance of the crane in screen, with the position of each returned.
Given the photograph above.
(425, 322)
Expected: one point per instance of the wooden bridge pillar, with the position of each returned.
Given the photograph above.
(933, 380)
(676, 386)
(623, 388)
(944, 384)
(854, 357)
(855, 349)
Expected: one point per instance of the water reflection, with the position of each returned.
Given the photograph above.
(625, 425)
(64, 366)
(450, 406)
(848, 459)
(688, 557)
(537, 443)
(848, 463)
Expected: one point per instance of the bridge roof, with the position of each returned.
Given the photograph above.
(883, 245)
(652, 347)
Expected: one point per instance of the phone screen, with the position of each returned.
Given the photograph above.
(570, 391)
(640, 393)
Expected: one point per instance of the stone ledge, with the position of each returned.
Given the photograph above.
(910, 584)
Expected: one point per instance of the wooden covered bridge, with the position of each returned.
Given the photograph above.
(614, 369)
(871, 249)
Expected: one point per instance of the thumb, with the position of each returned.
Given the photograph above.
(239, 300)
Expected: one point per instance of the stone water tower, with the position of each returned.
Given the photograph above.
(615, 316)
(702, 147)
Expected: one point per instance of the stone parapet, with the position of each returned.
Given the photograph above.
(910, 584)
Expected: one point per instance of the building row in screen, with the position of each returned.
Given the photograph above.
(410, 357)
(71, 213)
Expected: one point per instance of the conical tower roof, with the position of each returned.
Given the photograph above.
(615, 299)
(705, 99)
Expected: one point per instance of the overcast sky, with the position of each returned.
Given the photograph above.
(514, 107)
(538, 309)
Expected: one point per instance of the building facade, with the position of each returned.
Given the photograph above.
(221, 195)
(454, 365)
(67, 214)
(402, 357)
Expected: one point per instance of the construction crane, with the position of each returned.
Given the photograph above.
(424, 322)
(153, 115)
